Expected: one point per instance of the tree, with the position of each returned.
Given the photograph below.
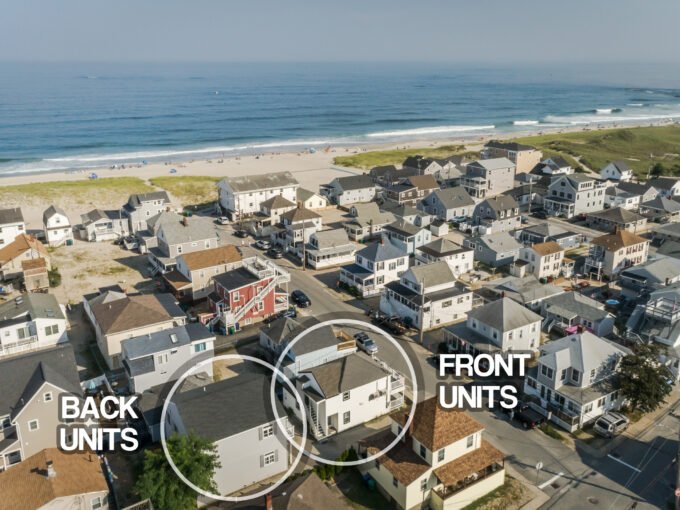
(657, 170)
(195, 458)
(54, 277)
(645, 382)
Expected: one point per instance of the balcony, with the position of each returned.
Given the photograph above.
(23, 345)
(664, 310)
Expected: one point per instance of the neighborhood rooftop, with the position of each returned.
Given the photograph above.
(261, 182)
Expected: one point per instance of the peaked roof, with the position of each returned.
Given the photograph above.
(582, 351)
(423, 182)
(617, 240)
(621, 166)
(501, 202)
(136, 199)
(134, 312)
(52, 211)
(504, 315)
(499, 242)
(227, 254)
(432, 274)
(436, 427)
(355, 182)
(257, 182)
(492, 164)
(178, 229)
(300, 214)
(403, 227)
(455, 197)
(345, 374)
(13, 215)
(547, 248)
(21, 244)
(618, 215)
(21, 376)
(510, 146)
(441, 247)
(664, 204)
(35, 305)
(279, 202)
(664, 183)
(305, 194)
(381, 251)
(27, 485)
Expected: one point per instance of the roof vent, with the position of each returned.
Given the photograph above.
(51, 473)
(173, 338)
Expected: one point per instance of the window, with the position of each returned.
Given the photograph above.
(600, 403)
(563, 375)
(47, 397)
(447, 304)
(51, 330)
(33, 425)
(4, 423)
(96, 503)
(346, 418)
(200, 347)
(470, 442)
(345, 396)
(269, 458)
(587, 408)
(267, 431)
(440, 454)
(423, 484)
(547, 371)
(423, 451)
(575, 375)
(162, 359)
(395, 482)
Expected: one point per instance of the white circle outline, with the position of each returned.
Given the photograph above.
(414, 391)
(276, 372)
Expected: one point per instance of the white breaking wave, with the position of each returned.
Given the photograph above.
(429, 131)
(525, 122)
(139, 156)
(635, 104)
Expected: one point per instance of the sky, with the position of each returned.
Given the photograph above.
(483, 31)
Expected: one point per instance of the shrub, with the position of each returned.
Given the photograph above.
(54, 277)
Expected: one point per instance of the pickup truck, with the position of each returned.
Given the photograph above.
(528, 417)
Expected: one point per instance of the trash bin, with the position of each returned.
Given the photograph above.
(69, 242)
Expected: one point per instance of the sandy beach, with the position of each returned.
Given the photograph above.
(310, 168)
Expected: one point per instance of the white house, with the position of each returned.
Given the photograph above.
(375, 266)
(617, 171)
(460, 259)
(12, 224)
(57, 226)
(349, 190)
(569, 310)
(243, 195)
(448, 204)
(553, 166)
(345, 393)
(571, 195)
(427, 296)
(31, 321)
(443, 462)
(501, 326)
(250, 449)
(612, 253)
(310, 200)
(575, 380)
(407, 236)
(545, 260)
(329, 248)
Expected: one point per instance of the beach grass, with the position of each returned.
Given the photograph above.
(80, 192)
(641, 148)
(368, 160)
(187, 189)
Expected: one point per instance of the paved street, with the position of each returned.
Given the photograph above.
(638, 474)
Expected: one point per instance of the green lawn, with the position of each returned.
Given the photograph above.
(85, 191)
(640, 147)
(189, 190)
(368, 160)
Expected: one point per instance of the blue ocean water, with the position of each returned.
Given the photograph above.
(68, 116)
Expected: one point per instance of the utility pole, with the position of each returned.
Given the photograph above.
(677, 477)
(304, 249)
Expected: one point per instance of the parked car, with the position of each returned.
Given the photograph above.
(300, 299)
(275, 252)
(540, 214)
(263, 244)
(291, 313)
(223, 220)
(366, 343)
(611, 424)
(528, 417)
(241, 234)
(391, 324)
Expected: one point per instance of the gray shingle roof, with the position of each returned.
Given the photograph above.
(355, 182)
(380, 252)
(13, 215)
(510, 146)
(654, 271)
(21, 376)
(331, 238)
(228, 407)
(182, 229)
(51, 211)
(618, 215)
(500, 242)
(453, 198)
(159, 341)
(137, 199)
(433, 274)
(345, 374)
(582, 351)
(504, 315)
(574, 304)
(492, 164)
(403, 227)
(37, 306)
(300, 214)
(277, 202)
(663, 204)
(441, 247)
(261, 182)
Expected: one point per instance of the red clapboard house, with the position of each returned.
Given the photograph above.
(248, 294)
